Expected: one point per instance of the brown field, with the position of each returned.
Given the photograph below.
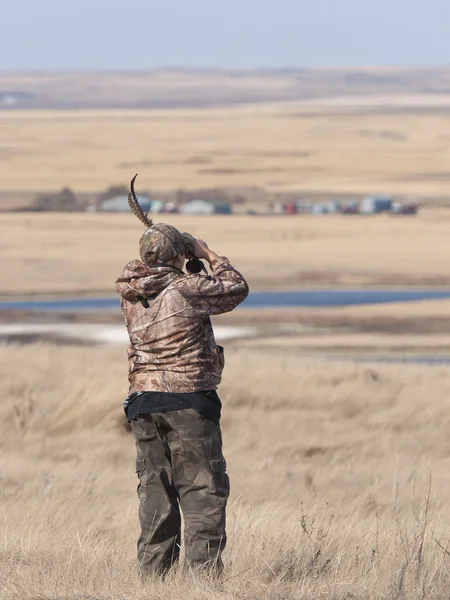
(84, 253)
(393, 144)
(340, 480)
(339, 471)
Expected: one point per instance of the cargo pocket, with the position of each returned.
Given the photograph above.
(221, 481)
(218, 464)
(140, 463)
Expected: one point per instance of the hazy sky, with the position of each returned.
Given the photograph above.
(136, 34)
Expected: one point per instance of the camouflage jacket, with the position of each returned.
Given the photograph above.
(172, 346)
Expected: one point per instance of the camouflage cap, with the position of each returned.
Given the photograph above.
(160, 242)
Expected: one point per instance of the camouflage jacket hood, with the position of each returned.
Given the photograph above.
(141, 281)
(172, 346)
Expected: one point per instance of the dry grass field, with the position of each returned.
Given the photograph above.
(398, 145)
(84, 253)
(340, 471)
(340, 480)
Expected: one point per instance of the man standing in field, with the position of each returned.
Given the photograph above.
(175, 367)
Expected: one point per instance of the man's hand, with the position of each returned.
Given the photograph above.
(201, 250)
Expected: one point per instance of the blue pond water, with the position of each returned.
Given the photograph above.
(309, 298)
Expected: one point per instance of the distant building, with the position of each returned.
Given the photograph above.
(371, 205)
(404, 209)
(170, 207)
(334, 206)
(320, 209)
(197, 207)
(156, 206)
(206, 207)
(303, 206)
(120, 204)
(350, 207)
(221, 207)
(290, 208)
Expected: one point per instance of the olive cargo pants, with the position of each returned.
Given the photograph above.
(180, 465)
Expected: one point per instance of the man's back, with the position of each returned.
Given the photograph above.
(167, 313)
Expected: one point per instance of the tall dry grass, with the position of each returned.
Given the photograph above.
(340, 480)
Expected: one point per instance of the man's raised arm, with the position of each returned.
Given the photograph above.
(214, 294)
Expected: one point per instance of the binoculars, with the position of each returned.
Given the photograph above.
(194, 264)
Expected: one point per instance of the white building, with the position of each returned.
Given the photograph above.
(198, 207)
(120, 204)
(376, 204)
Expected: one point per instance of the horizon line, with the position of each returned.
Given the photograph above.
(200, 69)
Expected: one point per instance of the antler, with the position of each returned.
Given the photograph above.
(135, 206)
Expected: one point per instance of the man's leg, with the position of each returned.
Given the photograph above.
(159, 515)
(199, 472)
